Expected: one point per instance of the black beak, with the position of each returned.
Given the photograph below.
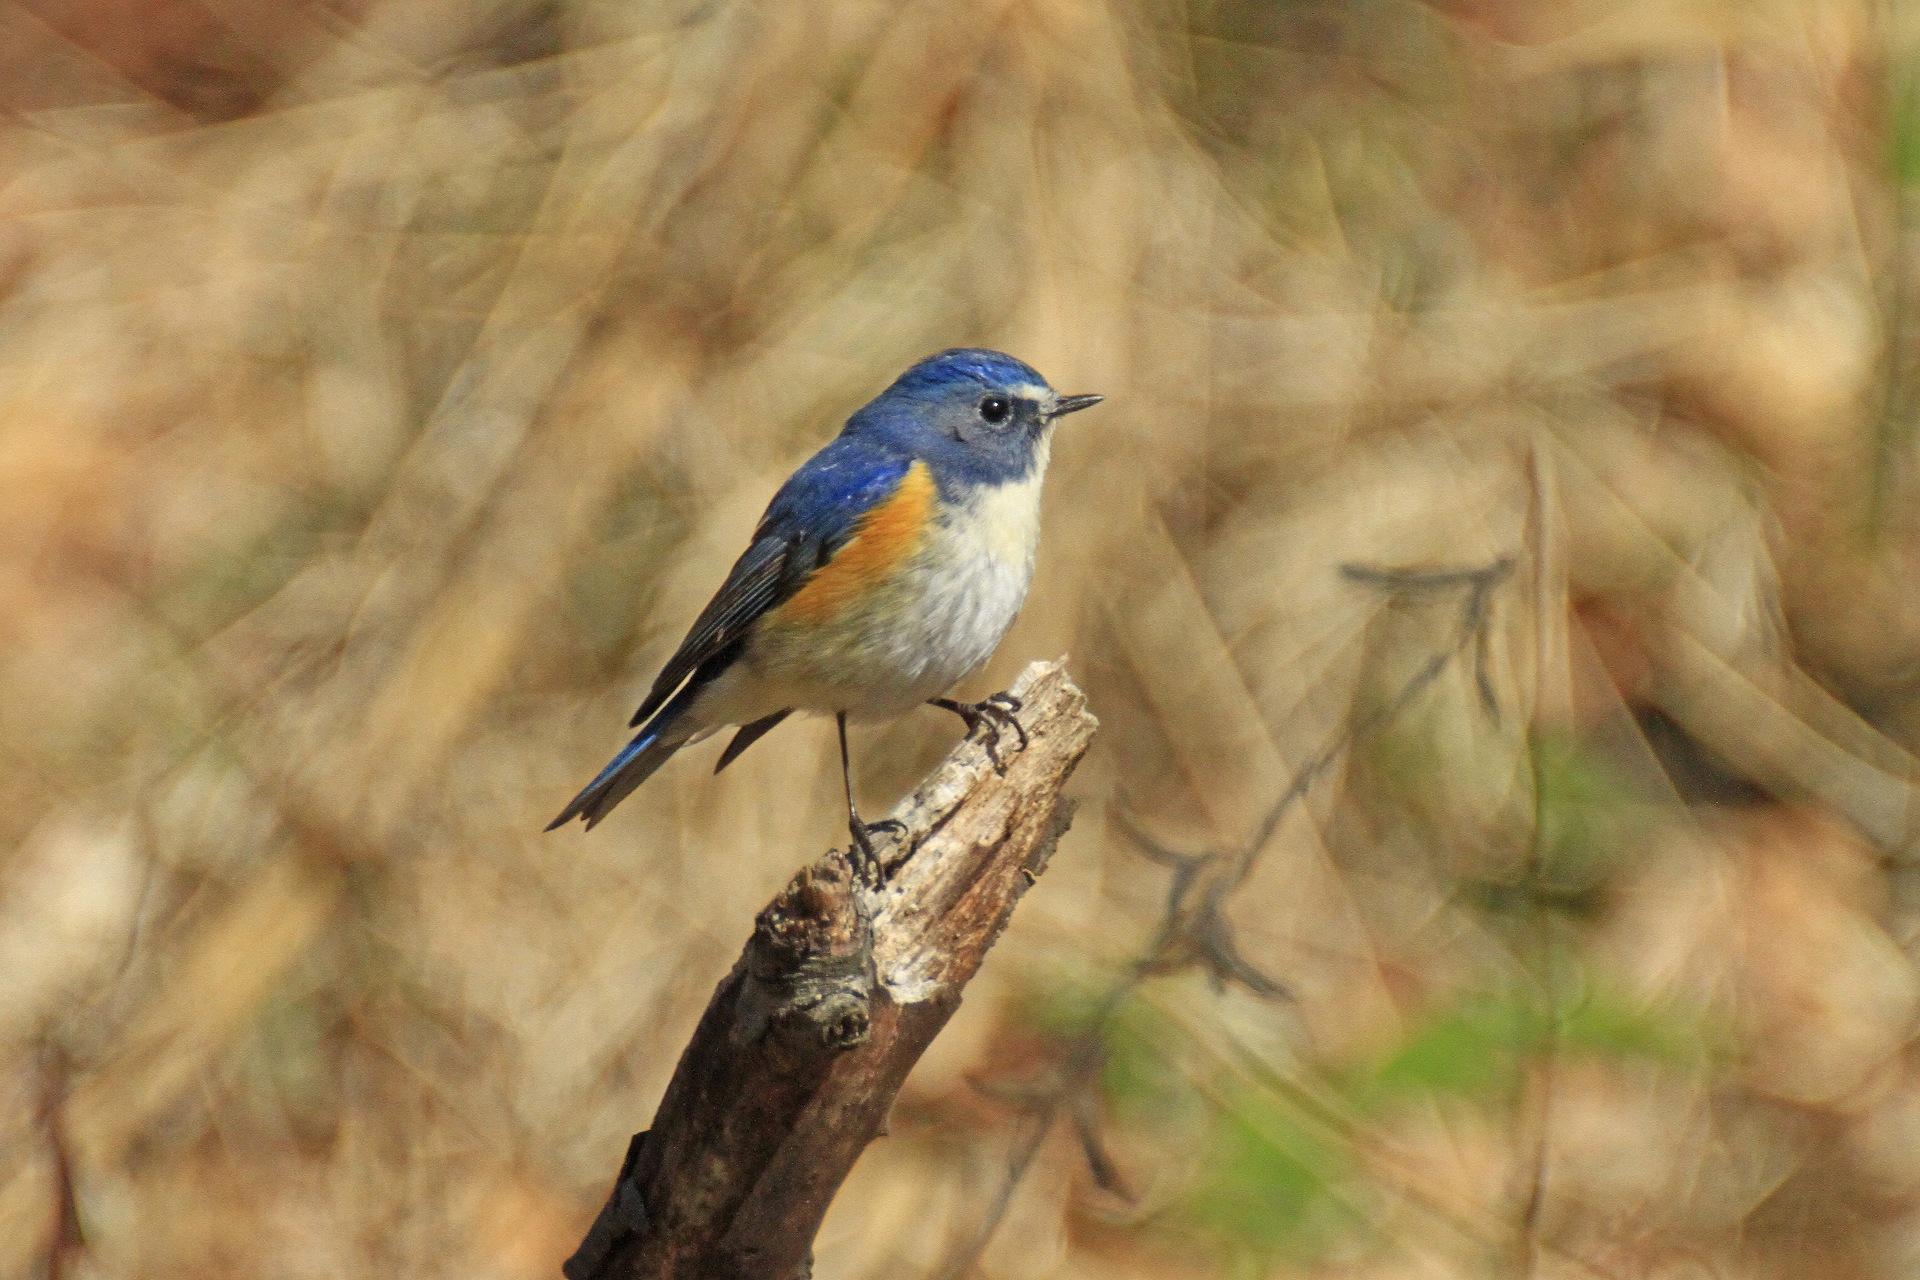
(1072, 404)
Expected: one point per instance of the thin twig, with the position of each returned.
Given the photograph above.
(1536, 1104)
(64, 1238)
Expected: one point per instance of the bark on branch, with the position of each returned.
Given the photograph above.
(840, 990)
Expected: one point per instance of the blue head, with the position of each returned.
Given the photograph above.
(976, 416)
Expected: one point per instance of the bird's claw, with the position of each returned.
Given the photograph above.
(866, 860)
(892, 829)
(998, 713)
(860, 852)
(1002, 710)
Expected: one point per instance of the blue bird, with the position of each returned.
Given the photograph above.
(884, 572)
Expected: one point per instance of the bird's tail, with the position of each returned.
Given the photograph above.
(663, 735)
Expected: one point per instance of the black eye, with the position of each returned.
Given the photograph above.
(995, 409)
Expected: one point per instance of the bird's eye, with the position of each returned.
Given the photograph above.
(995, 409)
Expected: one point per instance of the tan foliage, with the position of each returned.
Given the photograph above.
(384, 386)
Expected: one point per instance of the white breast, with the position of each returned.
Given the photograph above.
(934, 624)
(976, 576)
(1004, 522)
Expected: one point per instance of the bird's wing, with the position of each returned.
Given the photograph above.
(757, 583)
(815, 514)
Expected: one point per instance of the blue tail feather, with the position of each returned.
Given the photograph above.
(636, 762)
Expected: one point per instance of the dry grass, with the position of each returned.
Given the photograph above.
(384, 386)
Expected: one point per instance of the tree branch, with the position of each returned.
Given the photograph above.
(798, 1057)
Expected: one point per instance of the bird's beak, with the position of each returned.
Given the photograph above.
(1072, 404)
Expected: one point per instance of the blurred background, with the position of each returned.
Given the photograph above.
(1510, 433)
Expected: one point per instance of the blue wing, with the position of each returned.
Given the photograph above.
(816, 511)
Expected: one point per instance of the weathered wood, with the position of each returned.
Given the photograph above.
(842, 987)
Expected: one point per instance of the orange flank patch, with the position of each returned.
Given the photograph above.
(888, 535)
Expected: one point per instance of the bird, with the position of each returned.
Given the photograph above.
(885, 571)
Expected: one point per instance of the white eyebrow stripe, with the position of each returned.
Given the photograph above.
(1028, 391)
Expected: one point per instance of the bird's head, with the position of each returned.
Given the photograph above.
(982, 413)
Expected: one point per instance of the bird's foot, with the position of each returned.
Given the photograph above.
(891, 829)
(997, 714)
(860, 850)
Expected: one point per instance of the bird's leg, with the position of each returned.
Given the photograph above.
(997, 713)
(865, 861)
